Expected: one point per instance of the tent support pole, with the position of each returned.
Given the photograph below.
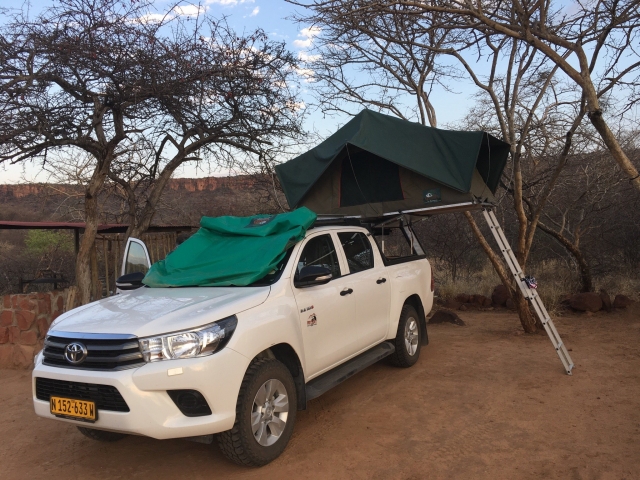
(528, 293)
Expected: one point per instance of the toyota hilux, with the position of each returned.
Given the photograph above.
(235, 363)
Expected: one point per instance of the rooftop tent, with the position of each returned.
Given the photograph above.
(377, 164)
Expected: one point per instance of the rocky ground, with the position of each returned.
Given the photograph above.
(484, 401)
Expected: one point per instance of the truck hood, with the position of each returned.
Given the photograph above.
(154, 311)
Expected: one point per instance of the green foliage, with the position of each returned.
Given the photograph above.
(45, 242)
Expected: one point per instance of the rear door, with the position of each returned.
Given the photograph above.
(136, 257)
(327, 312)
(371, 286)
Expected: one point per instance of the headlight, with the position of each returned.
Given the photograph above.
(199, 342)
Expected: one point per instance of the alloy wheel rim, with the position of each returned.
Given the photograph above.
(411, 336)
(270, 412)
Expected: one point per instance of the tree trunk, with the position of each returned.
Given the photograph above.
(595, 116)
(586, 280)
(83, 259)
(96, 286)
(145, 218)
(529, 323)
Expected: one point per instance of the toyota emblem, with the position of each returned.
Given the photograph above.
(75, 353)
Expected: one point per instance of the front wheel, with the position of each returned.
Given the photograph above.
(407, 341)
(265, 414)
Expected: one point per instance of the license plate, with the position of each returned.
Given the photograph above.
(69, 407)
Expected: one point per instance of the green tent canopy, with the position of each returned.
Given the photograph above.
(231, 250)
(377, 164)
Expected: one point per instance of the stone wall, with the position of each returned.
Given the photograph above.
(24, 321)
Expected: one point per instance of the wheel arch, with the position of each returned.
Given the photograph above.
(416, 302)
(286, 354)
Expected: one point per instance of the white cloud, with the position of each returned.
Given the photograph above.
(177, 11)
(307, 35)
(305, 57)
(255, 12)
(189, 10)
(229, 3)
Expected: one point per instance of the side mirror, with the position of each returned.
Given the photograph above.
(130, 281)
(313, 275)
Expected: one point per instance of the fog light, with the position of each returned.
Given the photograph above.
(190, 402)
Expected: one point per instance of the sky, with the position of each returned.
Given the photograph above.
(274, 17)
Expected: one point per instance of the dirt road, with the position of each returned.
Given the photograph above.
(484, 401)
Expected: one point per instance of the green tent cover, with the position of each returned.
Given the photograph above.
(372, 161)
(229, 250)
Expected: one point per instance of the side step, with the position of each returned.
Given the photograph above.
(335, 377)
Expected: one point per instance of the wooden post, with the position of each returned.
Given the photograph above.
(157, 250)
(116, 256)
(106, 263)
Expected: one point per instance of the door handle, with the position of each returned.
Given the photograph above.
(381, 280)
(347, 291)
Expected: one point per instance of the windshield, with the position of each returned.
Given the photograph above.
(274, 275)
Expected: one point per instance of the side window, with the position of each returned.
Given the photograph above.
(136, 259)
(357, 249)
(320, 251)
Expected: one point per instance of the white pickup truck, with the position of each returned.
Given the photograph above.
(237, 361)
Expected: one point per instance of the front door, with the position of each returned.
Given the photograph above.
(327, 312)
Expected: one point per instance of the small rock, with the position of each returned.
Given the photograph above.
(487, 302)
(446, 316)
(451, 304)
(586, 302)
(606, 300)
(463, 308)
(463, 298)
(500, 295)
(510, 304)
(477, 300)
(622, 301)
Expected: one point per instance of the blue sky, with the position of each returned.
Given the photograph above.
(273, 16)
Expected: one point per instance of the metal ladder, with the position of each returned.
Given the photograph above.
(528, 293)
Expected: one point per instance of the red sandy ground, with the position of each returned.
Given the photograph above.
(484, 401)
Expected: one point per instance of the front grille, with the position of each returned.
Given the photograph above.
(106, 397)
(102, 353)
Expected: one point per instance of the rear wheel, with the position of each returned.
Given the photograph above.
(265, 414)
(101, 435)
(407, 341)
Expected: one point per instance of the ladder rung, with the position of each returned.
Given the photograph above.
(560, 345)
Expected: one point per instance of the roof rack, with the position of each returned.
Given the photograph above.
(385, 218)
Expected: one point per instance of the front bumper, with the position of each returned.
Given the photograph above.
(152, 412)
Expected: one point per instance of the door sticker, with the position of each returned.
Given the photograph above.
(306, 309)
(312, 320)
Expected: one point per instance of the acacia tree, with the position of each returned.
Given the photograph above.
(515, 104)
(588, 204)
(110, 78)
(377, 62)
(593, 43)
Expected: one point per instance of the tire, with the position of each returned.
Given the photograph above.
(264, 384)
(101, 435)
(408, 339)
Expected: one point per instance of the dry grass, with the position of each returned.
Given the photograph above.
(555, 280)
(481, 282)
